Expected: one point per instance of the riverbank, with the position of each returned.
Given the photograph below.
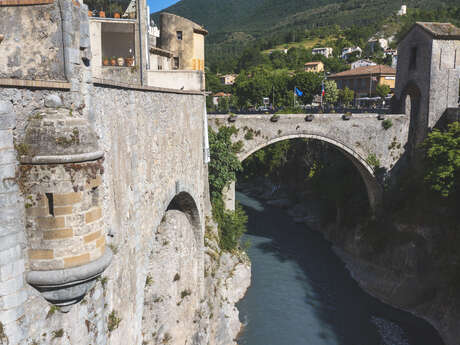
(400, 274)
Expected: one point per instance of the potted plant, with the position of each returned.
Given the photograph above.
(309, 117)
(129, 61)
(232, 117)
(113, 61)
(347, 116)
(90, 13)
(101, 14)
(121, 61)
(116, 15)
(105, 61)
(275, 118)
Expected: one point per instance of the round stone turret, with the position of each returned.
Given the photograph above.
(60, 175)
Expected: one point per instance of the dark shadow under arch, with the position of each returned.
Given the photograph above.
(373, 187)
(185, 203)
(411, 103)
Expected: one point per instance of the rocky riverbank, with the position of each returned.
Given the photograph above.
(400, 268)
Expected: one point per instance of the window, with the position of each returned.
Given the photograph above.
(413, 58)
(176, 62)
(179, 35)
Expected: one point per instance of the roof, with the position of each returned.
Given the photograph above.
(313, 63)
(366, 70)
(438, 30)
(222, 94)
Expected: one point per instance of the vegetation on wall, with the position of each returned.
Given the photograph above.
(222, 170)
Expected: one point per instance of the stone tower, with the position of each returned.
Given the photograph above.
(428, 71)
(60, 171)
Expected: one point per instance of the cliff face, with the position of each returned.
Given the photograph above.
(402, 270)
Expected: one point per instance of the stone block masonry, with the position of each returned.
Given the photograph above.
(12, 289)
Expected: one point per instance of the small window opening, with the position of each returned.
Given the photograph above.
(413, 58)
(179, 35)
(50, 198)
(94, 196)
(176, 62)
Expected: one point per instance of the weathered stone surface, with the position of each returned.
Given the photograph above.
(53, 101)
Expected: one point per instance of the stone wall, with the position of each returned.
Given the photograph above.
(33, 44)
(163, 284)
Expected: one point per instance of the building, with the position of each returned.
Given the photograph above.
(364, 80)
(326, 51)
(402, 11)
(378, 42)
(347, 52)
(184, 39)
(217, 96)
(228, 79)
(362, 63)
(314, 66)
(428, 64)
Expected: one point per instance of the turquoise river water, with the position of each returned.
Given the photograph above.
(302, 294)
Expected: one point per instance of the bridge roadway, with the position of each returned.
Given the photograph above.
(359, 138)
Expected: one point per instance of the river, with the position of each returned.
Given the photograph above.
(302, 294)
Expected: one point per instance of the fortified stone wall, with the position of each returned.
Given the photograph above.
(162, 284)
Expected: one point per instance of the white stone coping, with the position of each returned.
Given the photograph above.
(82, 157)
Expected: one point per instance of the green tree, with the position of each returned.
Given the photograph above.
(309, 83)
(223, 104)
(382, 90)
(331, 94)
(346, 96)
(442, 153)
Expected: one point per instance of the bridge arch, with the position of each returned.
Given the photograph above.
(174, 264)
(411, 106)
(373, 187)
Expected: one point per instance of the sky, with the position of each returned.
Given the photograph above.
(157, 5)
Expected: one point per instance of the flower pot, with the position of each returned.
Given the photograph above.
(101, 14)
(132, 15)
(232, 118)
(106, 62)
(90, 13)
(113, 62)
(116, 15)
(275, 118)
(129, 61)
(309, 117)
(121, 61)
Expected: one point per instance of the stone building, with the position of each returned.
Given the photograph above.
(428, 75)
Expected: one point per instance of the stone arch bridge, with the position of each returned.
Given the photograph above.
(359, 138)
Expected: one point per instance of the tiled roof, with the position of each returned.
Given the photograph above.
(440, 30)
(366, 70)
(313, 63)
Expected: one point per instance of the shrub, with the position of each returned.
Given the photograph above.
(113, 321)
(232, 227)
(386, 124)
(373, 161)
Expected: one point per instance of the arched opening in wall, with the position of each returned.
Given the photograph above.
(418, 123)
(305, 171)
(173, 275)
